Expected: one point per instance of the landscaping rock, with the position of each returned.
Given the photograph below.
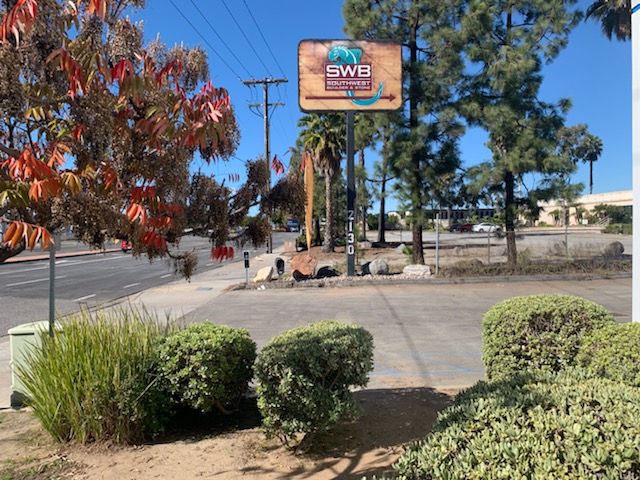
(614, 249)
(420, 271)
(264, 275)
(378, 267)
(364, 245)
(327, 272)
(400, 248)
(559, 248)
(303, 266)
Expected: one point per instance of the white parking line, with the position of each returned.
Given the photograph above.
(87, 297)
(33, 281)
(13, 272)
(59, 263)
(167, 275)
(131, 285)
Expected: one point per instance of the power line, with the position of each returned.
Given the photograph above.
(220, 38)
(263, 39)
(204, 39)
(246, 38)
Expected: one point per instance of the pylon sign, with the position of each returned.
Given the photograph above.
(349, 75)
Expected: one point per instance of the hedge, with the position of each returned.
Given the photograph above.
(304, 377)
(206, 366)
(567, 426)
(537, 333)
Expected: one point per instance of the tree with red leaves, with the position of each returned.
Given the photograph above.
(98, 133)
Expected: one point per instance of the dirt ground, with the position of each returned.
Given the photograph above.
(199, 448)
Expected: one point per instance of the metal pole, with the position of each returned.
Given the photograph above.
(351, 196)
(635, 142)
(52, 284)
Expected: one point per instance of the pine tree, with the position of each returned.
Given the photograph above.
(424, 141)
(509, 41)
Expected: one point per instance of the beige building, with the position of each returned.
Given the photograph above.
(552, 211)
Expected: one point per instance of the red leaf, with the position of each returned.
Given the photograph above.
(77, 133)
(277, 165)
(99, 7)
(19, 19)
(136, 210)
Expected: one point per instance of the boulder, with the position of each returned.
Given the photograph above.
(264, 275)
(417, 271)
(614, 249)
(327, 272)
(559, 248)
(303, 266)
(400, 248)
(459, 250)
(365, 245)
(378, 267)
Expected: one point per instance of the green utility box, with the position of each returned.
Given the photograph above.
(23, 339)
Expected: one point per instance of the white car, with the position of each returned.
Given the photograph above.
(487, 227)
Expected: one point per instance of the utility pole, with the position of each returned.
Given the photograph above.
(265, 82)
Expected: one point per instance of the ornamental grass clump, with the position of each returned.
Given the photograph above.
(563, 427)
(613, 352)
(207, 366)
(93, 380)
(304, 378)
(537, 333)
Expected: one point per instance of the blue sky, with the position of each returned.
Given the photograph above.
(593, 71)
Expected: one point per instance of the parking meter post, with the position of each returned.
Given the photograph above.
(279, 266)
(246, 266)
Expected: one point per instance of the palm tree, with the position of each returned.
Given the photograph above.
(615, 17)
(324, 136)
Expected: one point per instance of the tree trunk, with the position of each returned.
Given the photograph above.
(317, 237)
(414, 88)
(418, 254)
(510, 217)
(328, 244)
(381, 214)
(7, 253)
(363, 204)
(590, 177)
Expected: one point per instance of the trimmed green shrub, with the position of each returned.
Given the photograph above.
(537, 333)
(619, 228)
(304, 377)
(205, 366)
(94, 381)
(558, 427)
(613, 352)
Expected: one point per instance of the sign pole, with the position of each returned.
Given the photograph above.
(351, 196)
(52, 283)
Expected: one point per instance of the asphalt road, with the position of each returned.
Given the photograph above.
(90, 280)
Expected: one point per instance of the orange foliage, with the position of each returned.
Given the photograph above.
(222, 253)
(19, 19)
(31, 234)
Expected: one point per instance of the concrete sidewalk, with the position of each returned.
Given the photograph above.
(425, 334)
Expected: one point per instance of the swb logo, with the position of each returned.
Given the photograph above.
(348, 76)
